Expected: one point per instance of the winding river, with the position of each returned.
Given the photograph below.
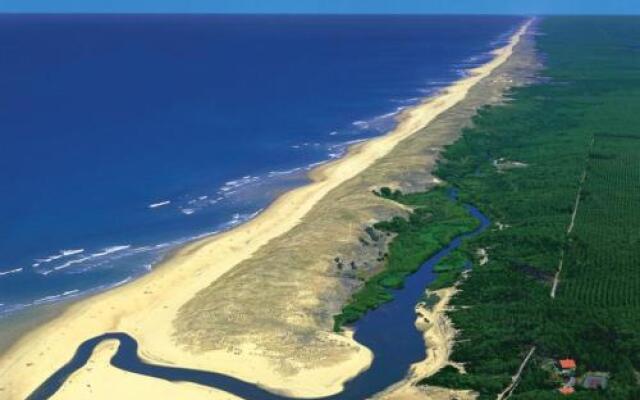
(388, 331)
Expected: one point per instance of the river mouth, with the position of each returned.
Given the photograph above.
(388, 331)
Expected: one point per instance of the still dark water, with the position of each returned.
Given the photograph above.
(123, 137)
(388, 331)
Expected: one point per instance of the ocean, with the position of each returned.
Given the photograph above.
(124, 137)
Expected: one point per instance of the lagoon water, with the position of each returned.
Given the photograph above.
(123, 137)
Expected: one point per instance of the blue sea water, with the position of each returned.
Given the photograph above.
(123, 137)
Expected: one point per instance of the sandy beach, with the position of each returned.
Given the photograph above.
(149, 307)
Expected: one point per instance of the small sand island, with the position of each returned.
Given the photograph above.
(257, 302)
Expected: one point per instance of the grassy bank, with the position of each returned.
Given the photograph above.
(434, 222)
(523, 164)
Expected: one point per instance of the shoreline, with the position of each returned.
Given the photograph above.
(145, 308)
(305, 173)
(439, 335)
(48, 261)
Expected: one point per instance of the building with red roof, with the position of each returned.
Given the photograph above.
(568, 363)
(566, 390)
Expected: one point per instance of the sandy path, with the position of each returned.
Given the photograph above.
(583, 178)
(515, 379)
(146, 308)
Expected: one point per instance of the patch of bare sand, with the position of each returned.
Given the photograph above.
(256, 302)
(408, 392)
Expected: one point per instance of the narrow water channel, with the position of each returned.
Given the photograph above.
(388, 331)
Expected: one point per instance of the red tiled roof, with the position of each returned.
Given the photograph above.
(566, 390)
(568, 363)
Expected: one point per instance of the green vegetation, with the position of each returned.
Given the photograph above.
(449, 270)
(450, 377)
(455, 261)
(583, 119)
(388, 193)
(434, 222)
(576, 136)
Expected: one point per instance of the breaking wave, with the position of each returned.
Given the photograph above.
(159, 204)
(11, 271)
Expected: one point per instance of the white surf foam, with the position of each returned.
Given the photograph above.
(238, 219)
(316, 164)
(66, 253)
(106, 251)
(48, 259)
(57, 256)
(237, 183)
(52, 298)
(284, 172)
(11, 271)
(122, 282)
(159, 204)
(360, 124)
(110, 250)
(339, 149)
(235, 187)
(409, 101)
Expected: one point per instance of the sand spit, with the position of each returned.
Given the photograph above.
(439, 335)
(97, 380)
(159, 309)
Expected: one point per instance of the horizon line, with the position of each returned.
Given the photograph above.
(141, 13)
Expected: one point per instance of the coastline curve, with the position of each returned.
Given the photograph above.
(192, 266)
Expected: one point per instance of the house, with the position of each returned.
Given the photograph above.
(567, 366)
(595, 380)
(566, 390)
